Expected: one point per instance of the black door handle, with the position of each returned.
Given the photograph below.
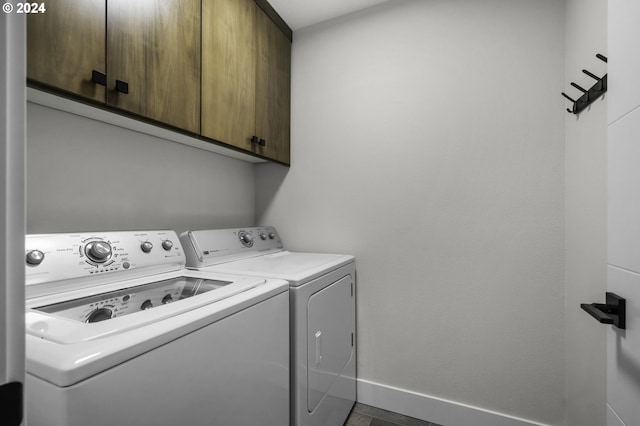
(99, 78)
(122, 86)
(613, 312)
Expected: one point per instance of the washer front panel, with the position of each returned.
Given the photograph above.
(228, 369)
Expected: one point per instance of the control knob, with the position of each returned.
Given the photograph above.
(263, 236)
(271, 235)
(35, 257)
(246, 239)
(146, 247)
(167, 299)
(167, 245)
(98, 251)
(99, 314)
(146, 305)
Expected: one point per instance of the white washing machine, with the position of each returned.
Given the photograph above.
(120, 333)
(322, 293)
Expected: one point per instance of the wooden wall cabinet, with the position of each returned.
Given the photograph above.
(151, 64)
(246, 73)
(216, 68)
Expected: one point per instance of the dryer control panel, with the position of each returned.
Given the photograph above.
(59, 257)
(212, 246)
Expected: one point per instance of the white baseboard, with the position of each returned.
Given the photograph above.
(432, 409)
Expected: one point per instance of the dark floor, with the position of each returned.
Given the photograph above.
(366, 415)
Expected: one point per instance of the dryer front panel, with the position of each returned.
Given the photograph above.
(330, 337)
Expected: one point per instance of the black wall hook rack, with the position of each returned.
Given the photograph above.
(590, 95)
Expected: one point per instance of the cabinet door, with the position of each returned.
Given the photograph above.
(154, 47)
(229, 71)
(65, 44)
(273, 89)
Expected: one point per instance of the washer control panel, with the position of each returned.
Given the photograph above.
(57, 257)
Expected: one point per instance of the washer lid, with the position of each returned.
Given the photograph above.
(295, 267)
(67, 317)
(63, 351)
(112, 304)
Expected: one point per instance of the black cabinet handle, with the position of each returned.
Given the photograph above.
(99, 78)
(258, 141)
(613, 312)
(122, 86)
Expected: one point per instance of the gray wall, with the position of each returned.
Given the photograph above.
(428, 140)
(586, 217)
(85, 175)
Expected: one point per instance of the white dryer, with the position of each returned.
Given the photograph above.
(120, 333)
(322, 293)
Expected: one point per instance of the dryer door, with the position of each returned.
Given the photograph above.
(329, 331)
